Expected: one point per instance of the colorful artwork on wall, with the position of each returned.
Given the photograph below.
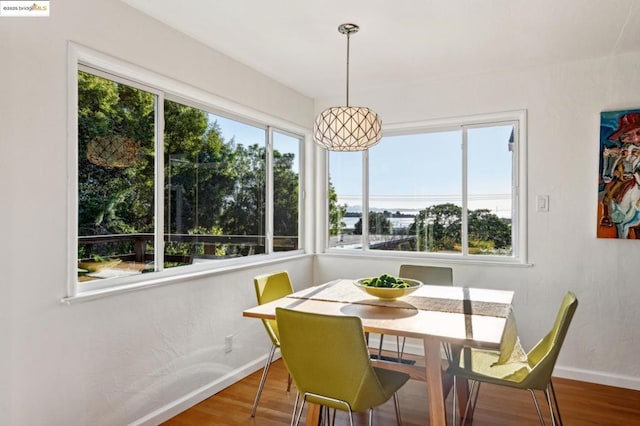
(619, 181)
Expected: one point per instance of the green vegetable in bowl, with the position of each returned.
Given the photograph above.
(386, 281)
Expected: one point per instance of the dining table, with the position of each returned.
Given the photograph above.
(460, 316)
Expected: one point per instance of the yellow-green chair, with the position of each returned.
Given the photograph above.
(432, 275)
(270, 287)
(532, 374)
(328, 359)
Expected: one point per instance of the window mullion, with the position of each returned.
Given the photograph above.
(365, 200)
(269, 191)
(515, 189)
(159, 184)
(465, 217)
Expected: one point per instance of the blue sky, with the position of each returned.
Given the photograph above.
(410, 172)
(413, 171)
(250, 135)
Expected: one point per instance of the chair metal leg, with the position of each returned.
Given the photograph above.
(295, 409)
(370, 417)
(555, 401)
(475, 401)
(453, 401)
(263, 379)
(295, 419)
(447, 352)
(547, 394)
(399, 347)
(351, 416)
(471, 398)
(324, 416)
(328, 418)
(396, 403)
(535, 402)
(289, 383)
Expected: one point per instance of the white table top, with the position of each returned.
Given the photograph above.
(402, 317)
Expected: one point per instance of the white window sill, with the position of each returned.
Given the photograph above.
(171, 277)
(432, 258)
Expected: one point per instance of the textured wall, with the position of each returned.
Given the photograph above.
(114, 360)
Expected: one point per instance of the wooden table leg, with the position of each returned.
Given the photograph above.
(313, 414)
(462, 386)
(462, 393)
(435, 394)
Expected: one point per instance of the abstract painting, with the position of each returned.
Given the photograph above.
(619, 180)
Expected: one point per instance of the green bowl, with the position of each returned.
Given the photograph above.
(385, 293)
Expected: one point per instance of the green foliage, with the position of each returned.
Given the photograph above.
(378, 224)
(211, 185)
(439, 228)
(486, 226)
(285, 197)
(336, 212)
(114, 200)
(244, 207)
(443, 223)
(481, 247)
(199, 169)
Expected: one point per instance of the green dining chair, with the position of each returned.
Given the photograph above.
(432, 275)
(534, 373)
(328, 359)
(270, 287)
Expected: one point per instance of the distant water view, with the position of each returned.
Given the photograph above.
(498, 204)
(396, 222)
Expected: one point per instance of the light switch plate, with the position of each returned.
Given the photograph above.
(542, 203)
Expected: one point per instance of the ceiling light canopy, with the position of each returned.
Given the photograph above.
(347, 128)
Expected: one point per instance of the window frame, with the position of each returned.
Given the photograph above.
(517, 118)
(81, 58)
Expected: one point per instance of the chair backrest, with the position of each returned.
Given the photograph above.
(432, 275)
(327, 355)
(542, 357)
(270, 287)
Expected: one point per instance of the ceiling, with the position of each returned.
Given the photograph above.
(401, 42)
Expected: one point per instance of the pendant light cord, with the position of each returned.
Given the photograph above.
(348, 38)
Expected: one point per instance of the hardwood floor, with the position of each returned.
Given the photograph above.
(580, 404)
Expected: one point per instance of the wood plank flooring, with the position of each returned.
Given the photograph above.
(580, 404)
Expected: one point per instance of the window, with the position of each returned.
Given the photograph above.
(163, 183)
(440, 190)
(215, 197)
(345, 199)
(286, 198)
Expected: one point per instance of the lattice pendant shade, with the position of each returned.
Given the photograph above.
(347, 128)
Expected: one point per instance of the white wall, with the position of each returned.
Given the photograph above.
(563, 103)
(115, 360)
(144, 355)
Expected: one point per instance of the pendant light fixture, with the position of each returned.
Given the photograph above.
(347, 128)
